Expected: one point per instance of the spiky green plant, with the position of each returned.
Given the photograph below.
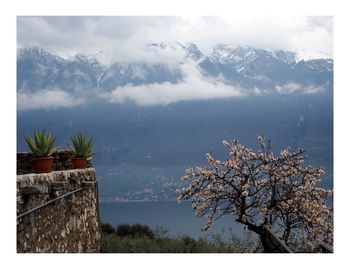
(82, 145)
(42, 144)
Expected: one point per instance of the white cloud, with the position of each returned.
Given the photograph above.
(297, 88)
(193, 87)
(46, 99)
(124, 38)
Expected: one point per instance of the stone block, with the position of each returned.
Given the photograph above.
(34, 189)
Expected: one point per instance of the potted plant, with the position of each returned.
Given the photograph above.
(82, 146)
(42, 149)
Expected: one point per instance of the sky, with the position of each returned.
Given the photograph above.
(127, 39)
(124, 38)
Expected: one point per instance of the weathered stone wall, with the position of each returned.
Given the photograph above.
(62, 160)
(70, 224)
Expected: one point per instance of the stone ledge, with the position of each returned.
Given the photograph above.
(54, 174)
(62, 160)
(34, 189)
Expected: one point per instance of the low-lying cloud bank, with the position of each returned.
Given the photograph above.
(194, 86)
(46, 99)
(297, 88)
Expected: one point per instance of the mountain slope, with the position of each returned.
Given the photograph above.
(246, 67)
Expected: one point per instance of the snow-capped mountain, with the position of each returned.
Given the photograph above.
(242, 57)
(245, 66)
(311, 55)
(39, 55)
(251, 67)
(120, 74)
(38, 69)
(189, 50)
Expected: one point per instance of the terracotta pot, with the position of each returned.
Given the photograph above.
(79, 162)
(42, 164)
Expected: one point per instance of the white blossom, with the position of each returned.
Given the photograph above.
(245, 193)
(272, 189)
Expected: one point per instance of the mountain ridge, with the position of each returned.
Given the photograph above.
(244, 66)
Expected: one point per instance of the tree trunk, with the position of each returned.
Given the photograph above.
(269, 241)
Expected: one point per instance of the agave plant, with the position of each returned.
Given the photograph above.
(42, 144)
(82, 145)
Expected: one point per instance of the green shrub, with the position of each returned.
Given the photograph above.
(134, 230)
(107, 228)
(41, 145)
(138, 238)
(82, 145)
(111, 243)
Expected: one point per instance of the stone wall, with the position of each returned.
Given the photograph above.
(62, 161)
(70, 224)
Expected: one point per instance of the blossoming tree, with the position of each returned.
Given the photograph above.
(264, 191)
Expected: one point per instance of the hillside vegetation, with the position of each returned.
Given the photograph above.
(139, 238)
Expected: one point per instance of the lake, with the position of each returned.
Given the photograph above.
(178, 218)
